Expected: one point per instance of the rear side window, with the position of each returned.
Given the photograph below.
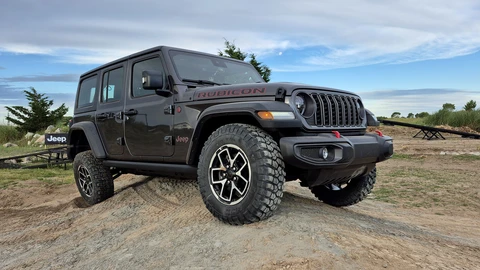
(88, 89)
(112, 86)
(138, 68)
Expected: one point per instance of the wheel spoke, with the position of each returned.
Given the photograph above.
(230, 162)
(221, 190)
(243, 178)
(231, 191)
(236, 156)
(220, 159)
(239, 191)
(241, 168)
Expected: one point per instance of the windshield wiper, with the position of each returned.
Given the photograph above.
(204, 82)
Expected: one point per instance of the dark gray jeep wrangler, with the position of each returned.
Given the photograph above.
(173, 112)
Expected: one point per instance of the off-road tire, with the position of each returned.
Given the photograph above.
(267, 174)
(355, 191)
(87, 166)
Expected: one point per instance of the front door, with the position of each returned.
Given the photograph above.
(148, 127)
(109, 116)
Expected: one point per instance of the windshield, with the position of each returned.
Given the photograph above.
(191, 67)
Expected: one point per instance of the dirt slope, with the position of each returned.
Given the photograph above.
(161, 223)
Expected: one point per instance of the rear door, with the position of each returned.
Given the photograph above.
(110, 110)
(148, 125)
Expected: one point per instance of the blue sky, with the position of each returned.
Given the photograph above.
(407, 56)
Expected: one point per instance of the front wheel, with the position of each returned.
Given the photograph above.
(241, 174)
(94, 181)
(348, 193)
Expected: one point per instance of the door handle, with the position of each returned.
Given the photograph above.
(102, 116)
(131, 112)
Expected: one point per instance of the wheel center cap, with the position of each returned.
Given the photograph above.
(230, 173)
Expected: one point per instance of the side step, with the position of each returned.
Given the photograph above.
(160, 169)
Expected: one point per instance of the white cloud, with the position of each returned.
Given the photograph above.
(336, 33)
(385, 102)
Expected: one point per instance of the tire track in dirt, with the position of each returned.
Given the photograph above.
(163, 223)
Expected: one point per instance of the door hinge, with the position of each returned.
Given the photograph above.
(120, 141)
(170, 109)
(168, 140)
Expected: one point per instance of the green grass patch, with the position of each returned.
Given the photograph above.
(466, 157)
(414, 186)
(51, 176)
(17, 151)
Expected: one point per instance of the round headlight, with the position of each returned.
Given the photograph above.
(300, 104)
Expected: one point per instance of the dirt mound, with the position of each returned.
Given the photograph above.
(162, 223)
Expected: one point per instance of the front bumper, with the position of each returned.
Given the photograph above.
(307, 152)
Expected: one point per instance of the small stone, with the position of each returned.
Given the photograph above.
(58, 130)
(245, 251)
(10, 145)
(50, 129)
(385, 265)
(40, 140)
(29, 135)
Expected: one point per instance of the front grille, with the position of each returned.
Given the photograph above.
(337, 110)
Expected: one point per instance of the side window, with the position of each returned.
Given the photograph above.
(138, 68)
(88, 89)
(112, 85)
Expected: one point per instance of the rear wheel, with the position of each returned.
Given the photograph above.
(94, 181)
(348, 193)
(241, 174)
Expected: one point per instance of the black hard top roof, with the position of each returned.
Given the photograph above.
(147, 51)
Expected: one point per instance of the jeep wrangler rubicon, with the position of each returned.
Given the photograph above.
(174, 112)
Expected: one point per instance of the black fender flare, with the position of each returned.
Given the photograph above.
(90, 131)
(247, 108)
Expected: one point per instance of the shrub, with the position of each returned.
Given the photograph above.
(9, 134)
(455, 119)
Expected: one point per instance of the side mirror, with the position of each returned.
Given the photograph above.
(153, 80)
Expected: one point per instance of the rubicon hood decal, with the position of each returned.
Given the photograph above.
(211, 93)
(254, 89)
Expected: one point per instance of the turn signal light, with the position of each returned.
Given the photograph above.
(265, 115)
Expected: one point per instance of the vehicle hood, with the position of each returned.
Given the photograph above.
(255, 89)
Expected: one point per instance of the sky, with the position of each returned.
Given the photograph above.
(405, 56)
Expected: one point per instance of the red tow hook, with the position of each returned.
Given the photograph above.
(379, 133)
(337, 134)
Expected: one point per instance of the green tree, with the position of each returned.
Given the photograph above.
(233, 51)
(422, 115)
(410, 115)
(38, 116)
(396, 115)
(470, 106)
(448, 107)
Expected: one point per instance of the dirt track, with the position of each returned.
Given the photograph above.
(162, 223)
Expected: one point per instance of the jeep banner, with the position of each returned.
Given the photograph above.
(55, 138)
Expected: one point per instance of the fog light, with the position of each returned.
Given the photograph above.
(323, 153)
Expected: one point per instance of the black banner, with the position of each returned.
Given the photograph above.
(55, 138)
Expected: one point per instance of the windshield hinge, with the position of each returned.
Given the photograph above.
(280, 95)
